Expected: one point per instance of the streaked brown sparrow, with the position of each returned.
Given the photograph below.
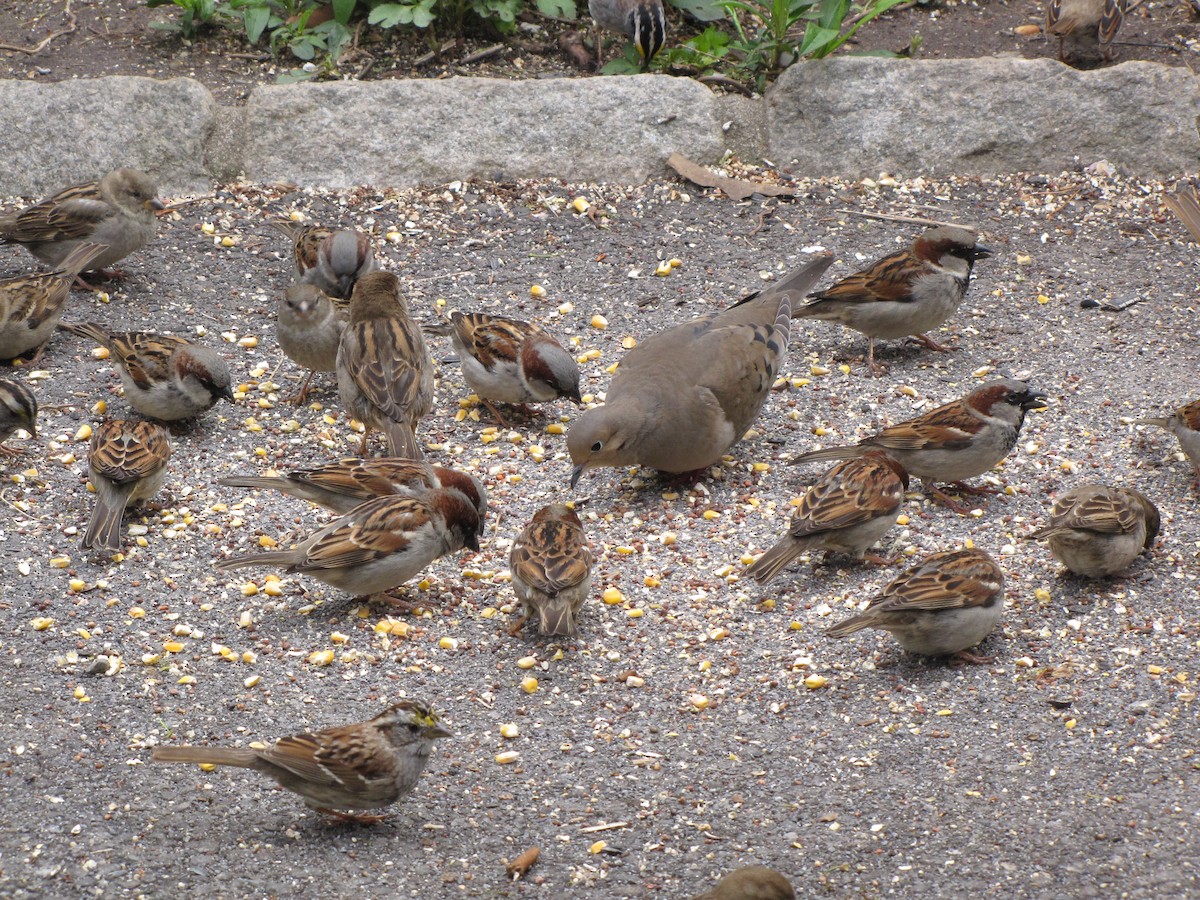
(18, 411)
(127, 463)
(367, 765)
(946, 603)
(1098, 531)
(551, 567)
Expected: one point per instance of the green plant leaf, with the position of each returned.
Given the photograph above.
(255, 18)
(389, 15)
(343, 9)
(558, 9)
(704, 10)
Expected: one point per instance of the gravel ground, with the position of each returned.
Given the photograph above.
(681, 718)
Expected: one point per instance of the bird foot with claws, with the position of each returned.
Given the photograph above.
(972, 659)
(926, 341)
(360, 818)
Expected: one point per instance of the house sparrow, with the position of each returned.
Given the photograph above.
(750, 883)
(343, 485)
(946, 603)
(1185, 203)
(846, 511)
(907, 293)
(116, 211)
(1087, 25)
(1097, 531)
(686, 395)
(165, 378)
(551, 569)
(511, 361)
(385, 375)
(959, 440)
(379, 544)
(331, 260)
(127, 462)
(18, 410)
(642, 21)
(362, 766)
(309, 326)
(31, 306)
(1185, 425)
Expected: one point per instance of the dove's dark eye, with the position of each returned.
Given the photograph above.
(598, 446)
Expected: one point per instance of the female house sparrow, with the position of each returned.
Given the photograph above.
(379, 544)
(846, 511)
(385, 375)
(511, 361)
(309, 326)
(127, 462)
(330, 259)
(18, 410)
(642, 21)
(1097, 531)
(750, 883)
(362, 766)
(686, 395)
(1087, 25)
(959, 440)
(343, 485)
(165, 378)
(31, 306)
(948, 602)
(551, 569)
(1185, 425)
(116, 211)
(907, 293)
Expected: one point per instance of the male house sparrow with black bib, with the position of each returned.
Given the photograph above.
(953, 442)
(906, 293)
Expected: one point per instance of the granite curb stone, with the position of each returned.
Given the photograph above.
(848, 116)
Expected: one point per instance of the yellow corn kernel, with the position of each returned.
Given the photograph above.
(612, 596)
(529, 684)
(537, 291)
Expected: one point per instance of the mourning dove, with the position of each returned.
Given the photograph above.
(683, 397)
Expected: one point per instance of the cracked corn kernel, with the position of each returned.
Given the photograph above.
(80, 693)
(509, 730)
(636, 613)
(249, 589)
(508, 756)
(599, 322)
(136, 612)
(187, 679)
(77, 585)
(711, 514)
(320, 657)
(635, 681)
(60, 562)
(597, 847)
(529, 684)
(1041, 595)
(252, 681)
(526, 662)
(267, 542)
(1042, 299)
(1070, 723)
(100, 353)
(818, 370)
(698, 701)
(173, 647)
(273, 589)
(580, 205)
(612, 596)
(663, 269)
(84, 432)
(537, 291)
(338, 638)
(41, 623)
(448, 643)
(668, 538)
(651, 582)
(1155, 670)
(813, 682)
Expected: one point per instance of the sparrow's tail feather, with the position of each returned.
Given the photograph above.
(280, 558)
(217, 756)
(771, 563)
(402, 441)
(1185, 204)
(826, 454)
(258, 482)
(90, 330)
(850, 626)
(104, 529)
(78, 259)
(555, 616)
